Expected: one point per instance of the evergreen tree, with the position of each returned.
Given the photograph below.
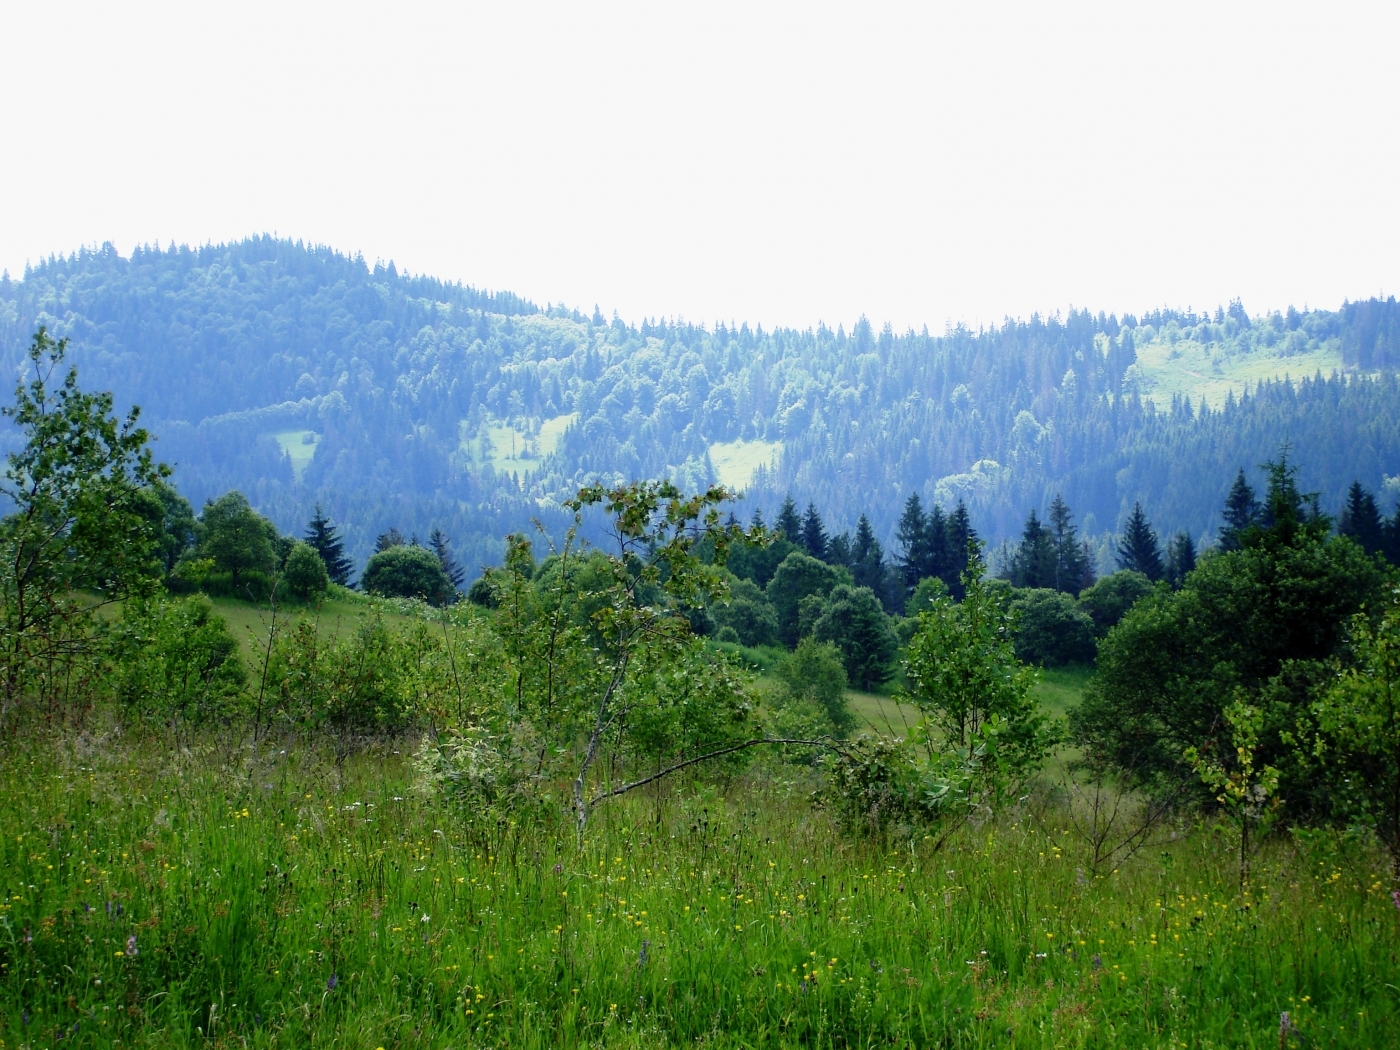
(939, 557)
(1033, 562)
(392, 538)
(1073, 570)
(1391, 537)
(324, 538)
(788, 523)
(1241, 511)
(912, 534)
(1181, 559)
(961, 537)
(1361, 519)
(867, 557)
(442, 547)
(1138, 549)
(814, 533)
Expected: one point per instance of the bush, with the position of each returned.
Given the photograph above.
(1051, 629)
(175, 660)
(855, 622)
(812, 675)
(1109, 600)
(407, 572)
(305, 573)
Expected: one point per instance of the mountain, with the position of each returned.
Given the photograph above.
(298, 374)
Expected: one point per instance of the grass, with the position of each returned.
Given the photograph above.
(230, 896)
(300, 447)
(736, 461)
(1198, 370)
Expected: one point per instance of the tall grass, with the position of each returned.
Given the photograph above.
(171, 898)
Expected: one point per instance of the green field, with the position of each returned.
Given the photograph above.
(518, 447)
(230, 895)
(736, 461)
(1205, 371)
(300, 447)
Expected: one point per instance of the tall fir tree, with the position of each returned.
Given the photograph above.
(325, 539)
(1241, 511)
(439, 544)
(814, 533)
(788, 522)
(1361, 519)
(912, 534)
(1073, 569)
(867, 557)
(1033, 563)
(1181, 558)
(961, 538)
(1138, 548)
(938, 556)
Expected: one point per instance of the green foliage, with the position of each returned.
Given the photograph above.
(406, 572)
(237, 539)
(1138, 550)
(799, 576)
(813, 679)
(1051, 629)
(324, 538)
(928, 592)
(1358, 729)
(1259, 623)
(305, 573)
(81, 521)
(853, 620)
(174, 661)
(747, 613)
(1109, 599)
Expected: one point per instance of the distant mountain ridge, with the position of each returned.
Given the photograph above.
(298, 374)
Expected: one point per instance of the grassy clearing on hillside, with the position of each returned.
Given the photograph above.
(162, 897)
(1197, 370)
(250, 622)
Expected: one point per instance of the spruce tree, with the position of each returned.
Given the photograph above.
(1361, 519)
(867, 557)
(788, 523)
(324, 538)
(912, 534)
(442, 547)
(1138, 549)
(961, 537)
(1073, 571)
(391, 538)
(938, 556)
(1181, 558)
(1241, 511)
(814, 533)
(1033, 564)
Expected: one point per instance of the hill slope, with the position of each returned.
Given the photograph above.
(298, 374)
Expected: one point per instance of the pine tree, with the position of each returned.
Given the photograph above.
(441, 546)
(392, 538)
(1361, 519)
(1073, 571)
(867, 557)
(1138, 549)
(814, 533)
(788, 523)
(1241, 511)
(1033, 563)
(1391, 537)
(324, 538)
(1181, 558)
(938, 556)
(913, 541)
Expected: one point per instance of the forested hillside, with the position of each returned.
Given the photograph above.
(299, 375)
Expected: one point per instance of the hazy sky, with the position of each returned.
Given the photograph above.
(777, 163)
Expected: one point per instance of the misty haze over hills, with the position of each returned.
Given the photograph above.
(299, 375)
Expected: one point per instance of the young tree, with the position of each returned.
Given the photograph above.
(1358, 723)
(814, 533)
(440, 546)
(813, 674)
(799, 576)
(1361, 519)
(962, 538)
(80, 488)
(1138, 550)
(392, 537)
(324, 538)
(1241, 511)
(236, 537)
(854, 621)
(1181, 559)
(867, 557)
(304, 572)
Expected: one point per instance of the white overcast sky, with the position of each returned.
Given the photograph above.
(776, 163)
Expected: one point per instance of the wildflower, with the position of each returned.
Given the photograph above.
(425, 919)
(1395, 898)
(131, 950)
(1098, 961)
(332, 982)
(642, 955)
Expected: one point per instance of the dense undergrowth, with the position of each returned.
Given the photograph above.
(237, 896)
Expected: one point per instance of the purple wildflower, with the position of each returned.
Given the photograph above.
(1395, 897)
(131, 950)
(330, 985)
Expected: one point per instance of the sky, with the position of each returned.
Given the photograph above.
(781, 164)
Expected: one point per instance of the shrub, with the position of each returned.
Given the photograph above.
(1109, 600)
(305, 573)
(813, 675)
(175, 660)
(1051, 629)
(407, 572)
